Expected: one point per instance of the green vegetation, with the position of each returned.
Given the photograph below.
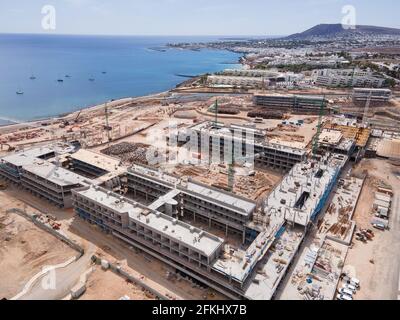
(296, 68)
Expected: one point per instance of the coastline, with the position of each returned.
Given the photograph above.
(37, 123)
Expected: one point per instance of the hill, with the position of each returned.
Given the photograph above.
(336, 30)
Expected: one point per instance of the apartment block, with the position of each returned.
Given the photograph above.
(348, 78)
(376, 95)
(300, 104)
(233, 144)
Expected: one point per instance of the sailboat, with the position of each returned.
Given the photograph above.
(32, 77)
(20, 92)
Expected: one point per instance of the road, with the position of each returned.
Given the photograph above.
(64, 279)
(379, 278)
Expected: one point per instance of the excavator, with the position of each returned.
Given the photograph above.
(10, 147)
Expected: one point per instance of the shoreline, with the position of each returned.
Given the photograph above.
(42, 122)
(38, 123)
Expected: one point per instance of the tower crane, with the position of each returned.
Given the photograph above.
(319, 127)
(365, 121)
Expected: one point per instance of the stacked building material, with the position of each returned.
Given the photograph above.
(128, 152)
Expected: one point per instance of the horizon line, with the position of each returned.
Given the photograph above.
(139, 35)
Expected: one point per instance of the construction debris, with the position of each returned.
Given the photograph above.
(129, 153)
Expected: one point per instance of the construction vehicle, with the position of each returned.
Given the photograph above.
(77, 117)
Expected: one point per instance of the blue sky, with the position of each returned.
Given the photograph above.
(190, 17)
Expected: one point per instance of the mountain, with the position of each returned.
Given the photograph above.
(337, 30)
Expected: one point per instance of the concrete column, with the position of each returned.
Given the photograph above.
(226, 231)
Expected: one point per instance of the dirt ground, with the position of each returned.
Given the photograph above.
(253, 187)
(108, 247)
(106, 285)
(24, 251)
(376, 263)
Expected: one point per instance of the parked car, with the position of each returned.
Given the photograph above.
(350, 287)
(345, 291)
(344, 297)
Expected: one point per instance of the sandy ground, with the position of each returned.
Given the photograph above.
(140, 265)
(376, 263)
(25, 250)
(106, 285)
(150, 270)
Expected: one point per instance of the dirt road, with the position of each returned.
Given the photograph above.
(377, 263)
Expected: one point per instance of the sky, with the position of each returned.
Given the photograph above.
(189, 17)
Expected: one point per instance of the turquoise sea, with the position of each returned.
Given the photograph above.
(118, 66)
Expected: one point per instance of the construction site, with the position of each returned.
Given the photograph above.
(249, 196)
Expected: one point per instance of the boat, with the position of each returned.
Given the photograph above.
(32, 77)
(67, 76)
(20, 92)
(104, 72)
(91, 79)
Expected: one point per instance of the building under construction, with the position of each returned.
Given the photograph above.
(52, 172)
(361, 95)
(167, 217)
(224, 241)
(39, 171)
(217, 142)
(292, 103)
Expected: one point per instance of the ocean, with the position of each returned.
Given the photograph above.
(118, 66)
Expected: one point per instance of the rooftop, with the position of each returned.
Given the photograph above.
(329, 136)
(26, 157)
(246, 207)
(300, 193)
(221, 130)
(277, 95)
(54, 173)
(98, 160)
(176, 230)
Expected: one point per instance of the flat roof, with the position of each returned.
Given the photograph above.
(154, 174)
(98, 160)
(231, 201)
(301, 191)
(225, 131)
(329, 136)
(277, 95)
(54, 173)
(265, 281)
(372, 90)
(179, 231)
(26, 157)
(246, 206)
